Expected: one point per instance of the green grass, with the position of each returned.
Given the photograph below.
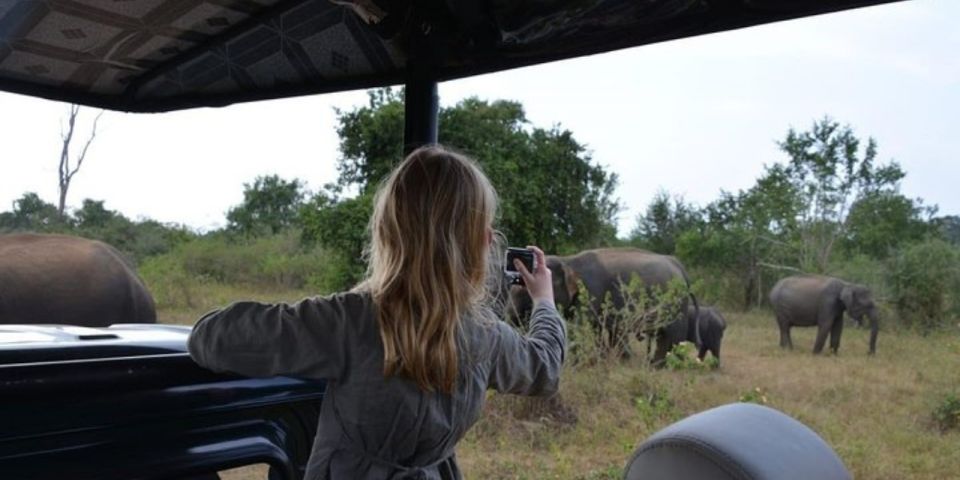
(875, 411)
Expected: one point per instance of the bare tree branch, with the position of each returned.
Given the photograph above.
(65, 172)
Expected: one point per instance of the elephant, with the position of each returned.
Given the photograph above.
(602, 271)
(60, 279)
(711, 324)
(808, 300)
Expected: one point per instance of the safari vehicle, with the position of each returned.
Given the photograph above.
(126, 401)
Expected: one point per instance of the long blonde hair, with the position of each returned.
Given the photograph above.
(429, 261)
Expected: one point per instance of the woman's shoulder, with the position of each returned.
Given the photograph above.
(348, 300)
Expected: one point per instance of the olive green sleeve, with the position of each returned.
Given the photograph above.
(308, 339)
(531, 364)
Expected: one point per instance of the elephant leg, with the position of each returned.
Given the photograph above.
(702, 353)
(835, 333)
(785, 341)
(663, 347)
(822, 331)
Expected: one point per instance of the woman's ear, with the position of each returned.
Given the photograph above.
(489, 236)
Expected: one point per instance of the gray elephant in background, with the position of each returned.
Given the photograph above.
(602, 271)
(712, 325)
(67, 280)
(817, 300)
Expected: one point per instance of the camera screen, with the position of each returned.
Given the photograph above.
(524, 255)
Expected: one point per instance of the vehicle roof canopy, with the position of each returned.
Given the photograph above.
(158, 55)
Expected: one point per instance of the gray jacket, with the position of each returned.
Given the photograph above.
(372, 427)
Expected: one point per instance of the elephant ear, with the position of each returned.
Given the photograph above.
(847, 296)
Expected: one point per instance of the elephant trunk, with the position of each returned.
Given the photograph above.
(874, 327)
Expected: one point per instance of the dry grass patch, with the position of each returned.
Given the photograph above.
(875, 411)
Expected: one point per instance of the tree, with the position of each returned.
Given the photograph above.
(880, 223)
(745, 233)
(66, 170)
(663, 222)
(949, 228)
(31, 213)
(93, 214)
(340, 224)
(270, 205)
(830, 173)
(550, 191)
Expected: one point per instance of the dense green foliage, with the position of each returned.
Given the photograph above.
(922, 277)
(537, 172)
(136, 239)
(270, 205)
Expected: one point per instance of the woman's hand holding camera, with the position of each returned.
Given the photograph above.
(539, 282)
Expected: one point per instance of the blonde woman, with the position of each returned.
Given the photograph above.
(408, 354)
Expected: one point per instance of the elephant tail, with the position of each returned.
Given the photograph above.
(693, 323)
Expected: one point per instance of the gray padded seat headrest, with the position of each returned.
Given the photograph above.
(740, 441)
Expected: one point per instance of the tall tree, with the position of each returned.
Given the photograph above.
(551, 192)
(831, 172)
(665, 219)
(270, 204)
(70, 168)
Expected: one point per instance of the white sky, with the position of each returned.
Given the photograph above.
(692, 116)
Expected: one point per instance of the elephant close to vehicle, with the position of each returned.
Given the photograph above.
(603, 272)
(712, 325)
(816, 300)
(59, 279)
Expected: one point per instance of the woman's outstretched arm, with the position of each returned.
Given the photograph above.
(307, 339)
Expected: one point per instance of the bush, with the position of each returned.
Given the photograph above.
(169, 283)
(274, 262)
(922, 277)
(715, 286)
(757, 395)
(600, 330)
(683, 356)
(947, 414)
(653, 404)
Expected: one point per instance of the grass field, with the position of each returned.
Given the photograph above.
(875, 411)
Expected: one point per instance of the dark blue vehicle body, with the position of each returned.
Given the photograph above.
(127, 402)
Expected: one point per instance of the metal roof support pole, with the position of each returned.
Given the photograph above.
(421, 103)
(421, 106)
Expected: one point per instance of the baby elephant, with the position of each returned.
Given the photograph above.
(712, 324)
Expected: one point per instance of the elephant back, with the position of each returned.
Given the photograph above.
(602, 269)
(803, 295)
(69, 280)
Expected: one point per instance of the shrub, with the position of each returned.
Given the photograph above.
(274, 262)
(946, 416)
(683, 356)
(601, 330)
(169, 283)
(921, 277)
(757, 395)
(718, 287)
(653, 404)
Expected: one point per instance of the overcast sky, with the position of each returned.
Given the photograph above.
(692, 116)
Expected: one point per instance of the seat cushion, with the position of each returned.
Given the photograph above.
(739, 441)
